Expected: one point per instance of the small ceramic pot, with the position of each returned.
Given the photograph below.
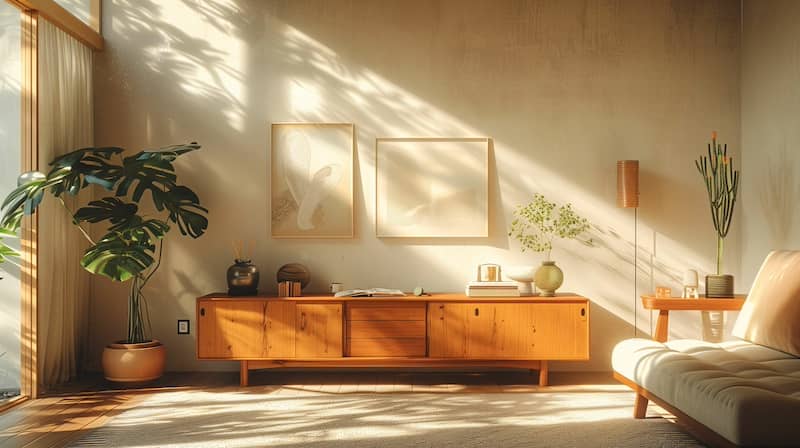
(719, 286)
(242, 278)
(548, 278)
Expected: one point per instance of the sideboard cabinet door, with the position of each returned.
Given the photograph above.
(318, 330)
(549, 331)
(280, 329)
(447, 329)
(231, 329)
(560, 331)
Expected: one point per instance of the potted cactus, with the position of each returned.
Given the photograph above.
(722, 184)
(130, 248)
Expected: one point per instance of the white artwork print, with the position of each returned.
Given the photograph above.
(312, 180)
(432, 187)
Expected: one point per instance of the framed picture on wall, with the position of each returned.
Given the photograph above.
(432, 187)
(312, 180)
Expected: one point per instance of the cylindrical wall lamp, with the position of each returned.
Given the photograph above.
(628, 183)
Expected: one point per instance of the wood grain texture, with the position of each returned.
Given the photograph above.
(702, 304)
(448, 330)
(281, 329)
(512, 330)
(231, 330)
(386, 311)
(29, 234)
(318, 330)
(392, 347)
(395, 362)
(368, 329)
(665, 305)
(435, 297)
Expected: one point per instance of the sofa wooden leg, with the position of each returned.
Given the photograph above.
(640, 407)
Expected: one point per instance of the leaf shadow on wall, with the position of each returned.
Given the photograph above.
(778, 194)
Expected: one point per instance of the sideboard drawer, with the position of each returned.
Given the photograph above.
(395, 311)
(377, 329)
(391, 347)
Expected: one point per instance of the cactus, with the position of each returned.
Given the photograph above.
(722, 184)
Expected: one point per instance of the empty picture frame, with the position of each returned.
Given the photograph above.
(312, 180)
(432, 187)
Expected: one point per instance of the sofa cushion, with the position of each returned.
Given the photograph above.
(747, 393)
(771, 314)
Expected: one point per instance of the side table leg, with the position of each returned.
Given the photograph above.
(243, 374)
(543, 373)
(662, 326)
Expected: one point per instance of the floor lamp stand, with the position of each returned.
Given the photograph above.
(635, 270)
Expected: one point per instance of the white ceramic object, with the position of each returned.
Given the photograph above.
(523, 275)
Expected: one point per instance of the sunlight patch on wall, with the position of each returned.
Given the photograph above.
(304, 97)
(203, 57)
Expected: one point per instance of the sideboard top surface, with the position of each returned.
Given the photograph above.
(565, 297)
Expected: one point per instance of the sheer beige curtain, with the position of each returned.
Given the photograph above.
(65, 124)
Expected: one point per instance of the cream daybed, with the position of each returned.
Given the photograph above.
(737, 393)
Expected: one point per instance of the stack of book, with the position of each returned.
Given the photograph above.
(290, 289)
(492, 289)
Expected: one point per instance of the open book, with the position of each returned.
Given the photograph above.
(372, 292)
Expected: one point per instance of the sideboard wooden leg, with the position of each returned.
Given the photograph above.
(243, 374)
(640, 407)
(543, 373)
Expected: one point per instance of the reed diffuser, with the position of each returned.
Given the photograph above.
(242, 275)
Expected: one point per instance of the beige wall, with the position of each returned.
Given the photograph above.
(771, 130)
(564, 89)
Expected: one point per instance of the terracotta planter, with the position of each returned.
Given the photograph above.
(132, 363)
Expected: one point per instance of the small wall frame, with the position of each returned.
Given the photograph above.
(311, 180)
(432, 187)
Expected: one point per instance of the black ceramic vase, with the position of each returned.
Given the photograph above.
(242, 278)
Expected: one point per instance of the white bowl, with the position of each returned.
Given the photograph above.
(521, 274)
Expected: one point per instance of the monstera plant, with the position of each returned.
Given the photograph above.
(131, 246)
(5, 250)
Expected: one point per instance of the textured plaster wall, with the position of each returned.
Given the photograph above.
(770, 131)
(564, 89)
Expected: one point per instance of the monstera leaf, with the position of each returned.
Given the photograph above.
(5, 251)
(122, 255)
(116, 211)
(75, 170)
(24, 199)
(151, 170)
(184, 209)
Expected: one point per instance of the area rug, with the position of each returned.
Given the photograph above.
(282, 417)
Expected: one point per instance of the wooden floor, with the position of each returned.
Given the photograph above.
(75, 409)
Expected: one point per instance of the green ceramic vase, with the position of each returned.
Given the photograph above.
(548, 278)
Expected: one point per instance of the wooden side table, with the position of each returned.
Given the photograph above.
(665, 305)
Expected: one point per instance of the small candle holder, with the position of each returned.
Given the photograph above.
(690, 289)
(663, 292)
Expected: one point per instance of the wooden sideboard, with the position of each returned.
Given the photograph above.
(439, 330)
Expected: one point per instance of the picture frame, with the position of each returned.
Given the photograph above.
(432, 187)
(311, 180)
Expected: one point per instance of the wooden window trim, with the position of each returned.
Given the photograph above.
(63, 19)
(29, 236)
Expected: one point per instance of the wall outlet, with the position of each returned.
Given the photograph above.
(183, 326)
